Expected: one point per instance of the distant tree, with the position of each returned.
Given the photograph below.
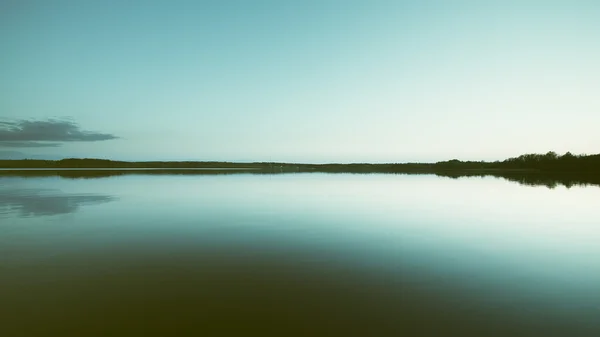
(551, 155)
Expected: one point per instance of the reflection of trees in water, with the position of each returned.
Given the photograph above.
(550, 180)
(91, 174)
(527, 177)
(39, 202)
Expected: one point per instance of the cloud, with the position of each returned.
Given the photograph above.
(45, 133)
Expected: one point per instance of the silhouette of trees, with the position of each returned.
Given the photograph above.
(548, 169)
(553, 162)
(550, 162)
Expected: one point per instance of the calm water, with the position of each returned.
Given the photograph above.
(297, 255)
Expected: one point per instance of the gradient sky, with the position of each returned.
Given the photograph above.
(305, 81)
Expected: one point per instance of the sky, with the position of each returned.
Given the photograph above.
(299, 81)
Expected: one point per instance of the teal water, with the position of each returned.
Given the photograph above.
(297, 254)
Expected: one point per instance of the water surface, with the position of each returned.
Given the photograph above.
(297, 254)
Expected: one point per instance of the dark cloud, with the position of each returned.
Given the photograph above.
(45, 133)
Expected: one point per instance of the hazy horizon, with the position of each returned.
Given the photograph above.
(299, 81)
(15, 155)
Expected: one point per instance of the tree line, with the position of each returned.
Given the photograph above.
(549, 162)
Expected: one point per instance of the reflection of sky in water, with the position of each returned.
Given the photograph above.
(43, 202)
(494, 242)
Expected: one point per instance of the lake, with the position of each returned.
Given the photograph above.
(308, 254)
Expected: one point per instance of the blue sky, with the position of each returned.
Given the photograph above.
(303, 81)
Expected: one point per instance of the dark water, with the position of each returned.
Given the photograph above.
(297, 255)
